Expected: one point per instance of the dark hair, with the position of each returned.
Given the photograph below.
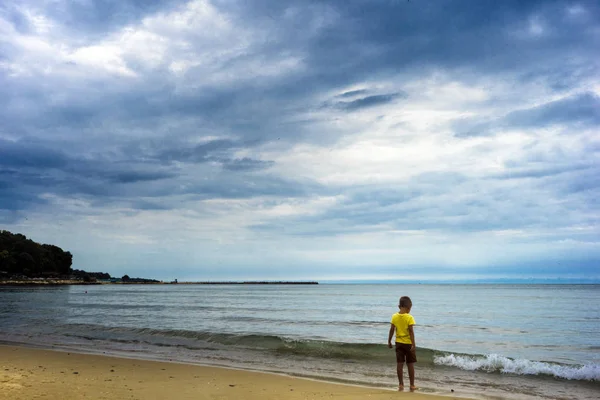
(405, 302)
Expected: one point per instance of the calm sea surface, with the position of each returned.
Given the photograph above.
(482, 341)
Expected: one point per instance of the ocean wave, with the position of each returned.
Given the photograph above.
(320, 349)
(498, 363)
(272, 343)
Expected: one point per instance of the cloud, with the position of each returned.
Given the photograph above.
(246, 164)
(89, 18)
(541, 172)
(210, 151)
(369, 101)
(260, 134)
(15, 196)
(20, 155)
(353, 93)
(139, 176)
(579, 110)
(582, 109)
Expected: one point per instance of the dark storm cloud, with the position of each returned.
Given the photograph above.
(578, 111)
(14, 195)
(246, 164)
(244, 112)
(583, 109)
(369, 101)
(559, 75)
(353, 93)
(240, 187)
(92, 18)
(360, 39)
(29, 170)
(388, 37)
(219, 151)
(140, 176)
(399, 33)
(21, 192)
(24, 188)
(149, 205)
(209, 151)
(17, 155)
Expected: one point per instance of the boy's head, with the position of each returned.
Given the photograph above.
(405, 302)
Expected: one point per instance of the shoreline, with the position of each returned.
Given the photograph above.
(27, 372)
(333, 334)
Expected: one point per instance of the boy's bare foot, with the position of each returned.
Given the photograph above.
(413, 388)
(400, 388)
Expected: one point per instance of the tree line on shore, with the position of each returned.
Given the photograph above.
(22, 258)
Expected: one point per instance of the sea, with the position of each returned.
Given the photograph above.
(499, 341)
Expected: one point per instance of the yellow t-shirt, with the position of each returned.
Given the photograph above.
(402, 322)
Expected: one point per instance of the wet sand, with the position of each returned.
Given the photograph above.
(29, 373)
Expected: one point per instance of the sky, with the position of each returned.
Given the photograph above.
(292, 140)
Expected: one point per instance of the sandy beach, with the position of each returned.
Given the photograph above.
(29, 373)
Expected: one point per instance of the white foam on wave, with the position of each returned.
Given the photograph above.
(495, 362)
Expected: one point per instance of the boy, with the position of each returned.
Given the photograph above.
(402, 324)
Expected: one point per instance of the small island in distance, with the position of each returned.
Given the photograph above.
(25, 262)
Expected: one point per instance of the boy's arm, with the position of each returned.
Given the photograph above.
(392, 330)
(411, 332)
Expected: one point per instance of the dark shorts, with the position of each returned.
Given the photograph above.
(403, 353)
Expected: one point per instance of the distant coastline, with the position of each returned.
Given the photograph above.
(57, 282)
(44, 282)
(24, 262)
(249, 283)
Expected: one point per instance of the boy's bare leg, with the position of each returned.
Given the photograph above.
(411, 376)
(399, 371)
